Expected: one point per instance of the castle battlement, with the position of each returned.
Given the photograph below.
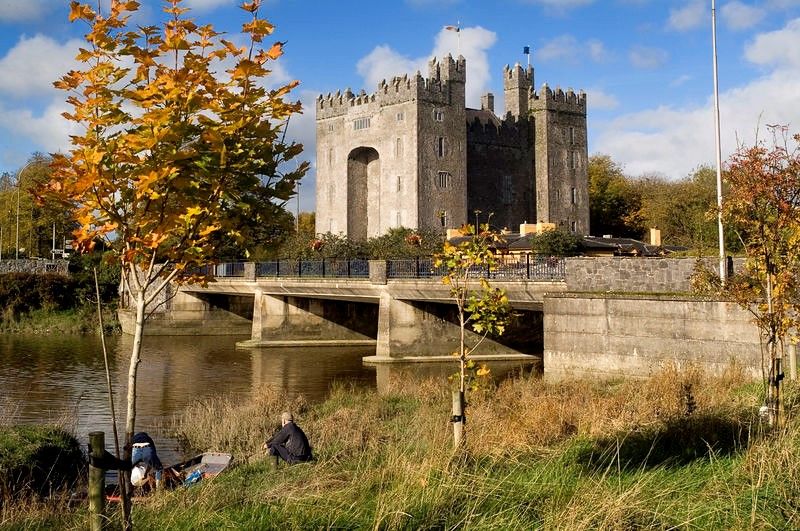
(558, 99)
(399, 89)
(510, 131)
(517, 77)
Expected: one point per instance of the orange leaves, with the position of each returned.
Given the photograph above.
(276, 50)
(80, 11)
(251, 7)
(258, 28)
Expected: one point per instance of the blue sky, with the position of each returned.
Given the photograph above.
(645, 64)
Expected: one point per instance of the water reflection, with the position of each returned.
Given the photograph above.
(45, 379)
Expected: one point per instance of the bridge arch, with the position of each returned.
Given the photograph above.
(363, 178)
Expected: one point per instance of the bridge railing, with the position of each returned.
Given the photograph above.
(325, 268)
(507, 267)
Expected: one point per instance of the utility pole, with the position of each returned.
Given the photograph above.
(722, 268)
(19, 186)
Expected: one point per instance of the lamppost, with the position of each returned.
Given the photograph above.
(19, 183)
(721, 232)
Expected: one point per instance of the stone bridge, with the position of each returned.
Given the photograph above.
(614, 316)
(400, 307)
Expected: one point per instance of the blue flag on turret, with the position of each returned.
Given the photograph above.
(526, 50)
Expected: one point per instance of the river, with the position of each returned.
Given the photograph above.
(61, 379)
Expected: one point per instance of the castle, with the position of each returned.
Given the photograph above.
(412, 155)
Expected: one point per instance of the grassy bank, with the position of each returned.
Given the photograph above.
(80, 320)
(680, 450)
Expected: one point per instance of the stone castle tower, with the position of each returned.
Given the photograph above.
(412, 155)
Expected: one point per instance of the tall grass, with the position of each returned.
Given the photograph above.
(681, 450)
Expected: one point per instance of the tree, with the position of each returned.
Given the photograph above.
(763, 203)
(481, 307)
(556, 242)
(613, 199)
(175, 149)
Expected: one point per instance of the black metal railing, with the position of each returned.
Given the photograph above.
(325, 268)
(508, 267)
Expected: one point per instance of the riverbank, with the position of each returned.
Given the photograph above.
(680, 450)
(81, 320)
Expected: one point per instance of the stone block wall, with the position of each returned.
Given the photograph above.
(636, 336)
(632, 274)
(34, 266)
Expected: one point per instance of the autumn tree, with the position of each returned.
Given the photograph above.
(480, 307)
(763, 203)
(180, 143)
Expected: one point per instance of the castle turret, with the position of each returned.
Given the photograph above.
(450, 73)
(517, 84)
(561, 158)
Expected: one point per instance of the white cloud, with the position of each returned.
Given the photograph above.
(680, 80)
(739, 16)
(383, 62)
(674, 140)
(51, 59)
(690, 16)
(566, 48)
(562, 48)
(560, 5)
(208, 5)
(597, 51)
(597, 99)
(647, 58)
(777, 48)
(24, 10)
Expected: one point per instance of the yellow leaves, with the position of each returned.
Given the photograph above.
(276, 50)
(80, 11)
(483, 371)
(210, 229)
(258, 28)
(251, 7)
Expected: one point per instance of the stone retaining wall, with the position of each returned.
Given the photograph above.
(34, 266)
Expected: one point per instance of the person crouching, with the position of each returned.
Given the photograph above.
(290, 443)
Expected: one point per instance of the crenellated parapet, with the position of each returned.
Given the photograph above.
(558, 100)
(509, 132)
(433, 89)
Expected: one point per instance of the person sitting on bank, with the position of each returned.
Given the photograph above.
(290, 443)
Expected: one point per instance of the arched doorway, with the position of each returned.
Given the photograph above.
(363, 172)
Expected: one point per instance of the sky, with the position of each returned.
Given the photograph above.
(646, 65)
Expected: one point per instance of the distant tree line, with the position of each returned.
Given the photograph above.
(684, 209)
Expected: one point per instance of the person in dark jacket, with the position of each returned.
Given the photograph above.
(145, 459)
(290, 443)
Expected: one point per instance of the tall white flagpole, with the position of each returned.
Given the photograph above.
(722, 268)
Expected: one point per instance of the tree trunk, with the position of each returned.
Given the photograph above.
(97, 483)
(459, 419)
(125, 485)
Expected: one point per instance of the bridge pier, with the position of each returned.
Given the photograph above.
(415, 331)
(288, 320)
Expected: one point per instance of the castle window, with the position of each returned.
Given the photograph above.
(399, 184)
(440, 146)
(574, 196)
(398, 147)
(508, 189)
(400, 116)
(330, 127)
(444, 179)
(571, 135)
(331, 191)
(398, 219)
(330, 157)
(438, 115)
(444, 218)
(573, 226)
(361, 123)
(573, 163)
(558, 195)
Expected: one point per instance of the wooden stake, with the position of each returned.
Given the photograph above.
(97, 482)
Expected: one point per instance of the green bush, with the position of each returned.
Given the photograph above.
(37, 460)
